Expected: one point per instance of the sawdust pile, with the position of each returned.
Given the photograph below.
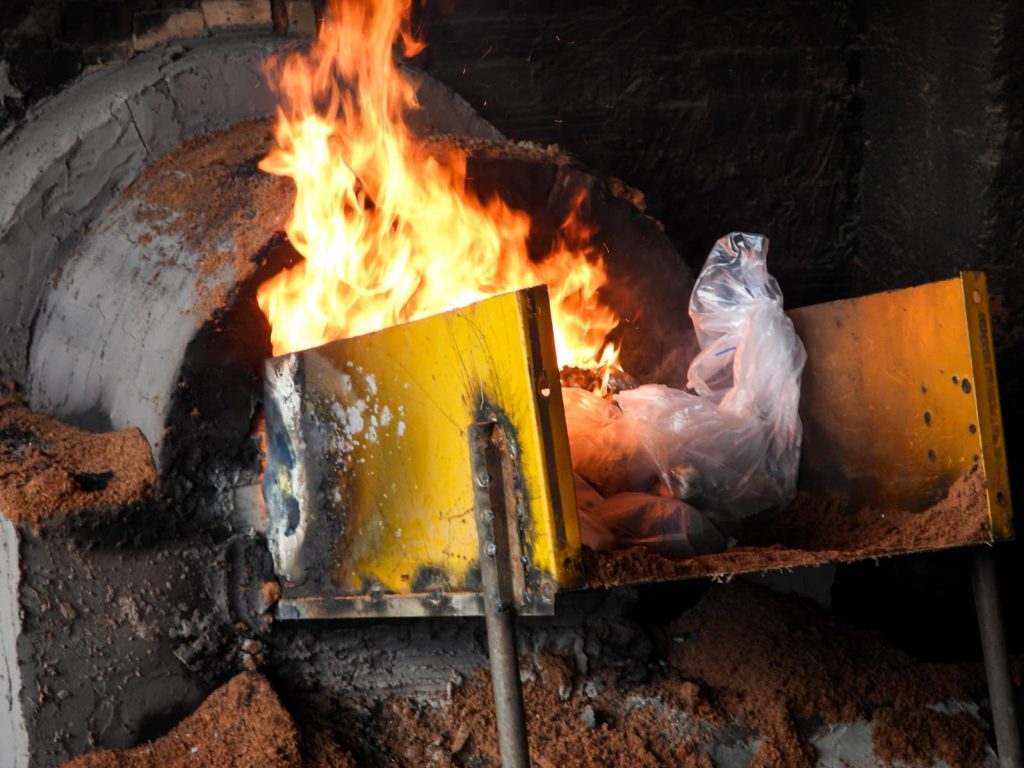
(774, 663)
(744, 658)
(210, 190)
(209, 195)
(240, 724)
(49, 470)
(915, 736)
(811, 531)
(572, 723)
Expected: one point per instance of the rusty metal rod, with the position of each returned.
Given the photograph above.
(495, 510)
(997, 663)
(508, 693)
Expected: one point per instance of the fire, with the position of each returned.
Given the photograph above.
(387, 229)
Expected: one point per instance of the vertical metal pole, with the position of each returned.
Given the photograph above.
(495, 508)
(997, 663)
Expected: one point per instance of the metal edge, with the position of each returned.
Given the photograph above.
(388, 606)
(551, 412)
(990, 415)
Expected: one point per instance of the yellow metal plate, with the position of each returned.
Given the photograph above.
(370, 472)
(899, 397)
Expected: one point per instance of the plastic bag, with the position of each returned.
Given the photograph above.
(731, 447)
(668, 526)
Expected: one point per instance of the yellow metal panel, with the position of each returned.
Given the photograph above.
(394, 408)
(990, 415)
(899, 397)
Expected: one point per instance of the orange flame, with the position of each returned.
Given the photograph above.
(388, 231)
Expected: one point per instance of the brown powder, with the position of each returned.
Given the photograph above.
(743, 657)
(271, 592)
(48, 468)
(813, 531)
(240, 724)
(210, 194)
(210, 188)
(621, 725)
(322, 751)
(917, 737)
(769, 661)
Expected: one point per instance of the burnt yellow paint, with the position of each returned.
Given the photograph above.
(899, 397)
(404, 398)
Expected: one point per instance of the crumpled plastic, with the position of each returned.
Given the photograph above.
(668, 526)
(676, 469)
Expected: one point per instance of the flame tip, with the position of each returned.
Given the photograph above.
(387, 229)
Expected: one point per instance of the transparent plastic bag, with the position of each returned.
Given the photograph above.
(731, 447)
(665, 525)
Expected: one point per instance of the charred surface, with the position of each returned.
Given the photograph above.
(216, 413)
(736, 117)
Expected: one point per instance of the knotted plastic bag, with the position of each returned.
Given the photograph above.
(729, 446)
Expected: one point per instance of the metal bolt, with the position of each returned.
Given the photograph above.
(492, 549)
(482, 478)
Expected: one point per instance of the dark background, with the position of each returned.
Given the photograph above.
(878, 144)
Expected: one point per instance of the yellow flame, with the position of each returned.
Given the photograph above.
(387, 229)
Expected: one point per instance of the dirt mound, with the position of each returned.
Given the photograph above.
(50, 469)
(242, 723)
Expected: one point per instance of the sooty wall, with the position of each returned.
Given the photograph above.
(740, 115)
